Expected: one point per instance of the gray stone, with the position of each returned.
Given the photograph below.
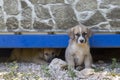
(11, 7)
(115, 24)
(105, 26)
(95, 28)
(1, 12)
(102, 6)
(84, 5)
(57, 64)
(85, 15)
(70, 1)
(35, 1)
(42, 12)
(24, 4)
(64, 16)
(46, 1)
(37, 25)
(50, 22)
(26, 21)
(26, 24)
(27, 14)
(85, 73)
(12, 24)
(114, 14)
(105, 3)
(94, 19)
(2, 25)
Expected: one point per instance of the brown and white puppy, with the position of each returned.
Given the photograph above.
(78, 50)
(39, 56)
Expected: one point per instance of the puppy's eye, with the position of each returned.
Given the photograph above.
(77, 34)
(84, 33)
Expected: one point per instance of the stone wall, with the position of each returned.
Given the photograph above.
(41, 15)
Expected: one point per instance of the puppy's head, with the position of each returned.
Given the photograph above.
(50, 53)
(79, 33)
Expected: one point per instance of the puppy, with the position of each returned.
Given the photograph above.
(39, 56)
(78, 50)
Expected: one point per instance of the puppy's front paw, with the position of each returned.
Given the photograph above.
(79, 68)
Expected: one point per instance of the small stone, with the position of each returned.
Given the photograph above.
(85, 15)
(11, 7)
(115, 24)
(70, 1)
(64, 16)
(24, 4)
(26, 21)
(37, 25)
(105, 26)
(27, 14)
(117, 70)
(95, 28)
(57, 64)
(1, 12)
(87, 72)
(95, 19)
(26, 24)
(35, 1)
(105, 3)
(42, 12)
(46, 1)
(2, 24)
(50, 22)
(85, 5)
(12, 24)
(114, 14)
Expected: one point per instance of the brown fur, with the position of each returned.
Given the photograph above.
(76, 54)
(40, 56)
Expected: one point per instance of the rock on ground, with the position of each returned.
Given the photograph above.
(57, 70)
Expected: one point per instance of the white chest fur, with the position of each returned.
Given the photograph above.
(79, 48)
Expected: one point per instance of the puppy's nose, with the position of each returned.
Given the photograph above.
(49, 60)
(81, 41)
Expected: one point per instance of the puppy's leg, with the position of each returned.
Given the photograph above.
(70, 61)
(79, 68)
(39, 61)
(88, 61)
(15, 55)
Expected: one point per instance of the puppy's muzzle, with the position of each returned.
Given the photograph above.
(82, 41)
(49, 57)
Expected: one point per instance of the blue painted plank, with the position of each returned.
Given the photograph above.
(56, 41)
(105, 41)
(33, 41)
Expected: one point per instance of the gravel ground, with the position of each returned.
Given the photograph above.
(31, 71)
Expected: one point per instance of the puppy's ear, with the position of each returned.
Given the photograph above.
(89, 32)
(71, 33)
